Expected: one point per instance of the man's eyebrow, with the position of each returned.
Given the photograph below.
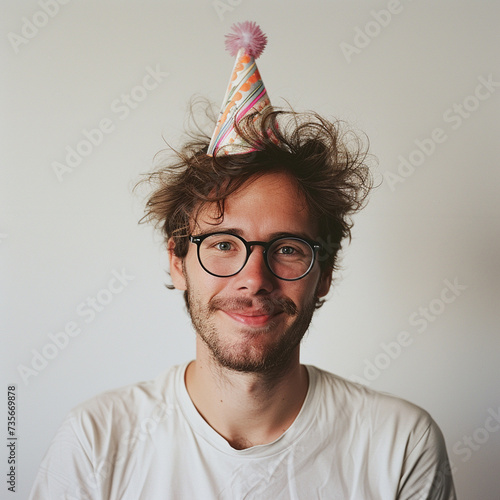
(286, 234)
(217, 229)
(238, 232)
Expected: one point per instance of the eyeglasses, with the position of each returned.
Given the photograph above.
(224, 254)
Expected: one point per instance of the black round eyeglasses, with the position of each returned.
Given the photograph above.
(289, 258)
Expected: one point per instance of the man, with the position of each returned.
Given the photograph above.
(253, 226)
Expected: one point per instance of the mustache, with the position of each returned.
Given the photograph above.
(265, 305)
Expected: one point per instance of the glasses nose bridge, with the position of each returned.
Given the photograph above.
(250, 244)
(250, 248)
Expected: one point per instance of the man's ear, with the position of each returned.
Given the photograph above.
(325, 281)
(176, 268)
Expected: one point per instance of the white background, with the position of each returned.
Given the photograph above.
(61, 240)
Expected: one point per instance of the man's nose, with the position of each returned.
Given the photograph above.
(255, 275)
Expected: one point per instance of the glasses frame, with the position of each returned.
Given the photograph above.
(314, 245)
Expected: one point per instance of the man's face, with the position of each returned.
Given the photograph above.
(252, 321)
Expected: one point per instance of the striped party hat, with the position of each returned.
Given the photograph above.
(246, 92)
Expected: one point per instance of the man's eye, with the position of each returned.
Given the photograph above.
(286, 250)
(224, 246)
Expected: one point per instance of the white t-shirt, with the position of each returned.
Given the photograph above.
(148, 441)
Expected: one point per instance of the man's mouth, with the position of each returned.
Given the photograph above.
(251, 318)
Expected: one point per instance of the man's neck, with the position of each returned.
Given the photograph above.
(247, 409)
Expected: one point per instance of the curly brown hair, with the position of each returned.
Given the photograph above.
(328, 162)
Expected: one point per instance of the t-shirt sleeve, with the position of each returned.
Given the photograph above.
(426, 473)
(66, 471)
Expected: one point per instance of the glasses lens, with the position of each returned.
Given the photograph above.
(290, 258)
(222, 254)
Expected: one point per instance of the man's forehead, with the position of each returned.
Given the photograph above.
(273, 198)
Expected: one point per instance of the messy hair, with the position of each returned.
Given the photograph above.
(328, 163)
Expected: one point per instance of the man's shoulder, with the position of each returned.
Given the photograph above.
(353, 400)
(118, 409)
(401, 439)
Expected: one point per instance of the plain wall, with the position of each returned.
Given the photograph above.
(424, 254)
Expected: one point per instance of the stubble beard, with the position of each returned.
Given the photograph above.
(275, 358)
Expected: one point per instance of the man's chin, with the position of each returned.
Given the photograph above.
(252, 349)
(250, 364)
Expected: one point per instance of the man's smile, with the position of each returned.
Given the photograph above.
(252, 317)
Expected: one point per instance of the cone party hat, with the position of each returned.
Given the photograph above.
(246, 92)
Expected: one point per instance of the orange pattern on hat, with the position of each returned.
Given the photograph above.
(245, 93)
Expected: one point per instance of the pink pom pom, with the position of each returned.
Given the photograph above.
(247, 35)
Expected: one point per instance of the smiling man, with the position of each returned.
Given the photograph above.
(253, 220)
(252, 320)
(251, 288)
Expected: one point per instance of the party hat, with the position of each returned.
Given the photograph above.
(246, 92)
